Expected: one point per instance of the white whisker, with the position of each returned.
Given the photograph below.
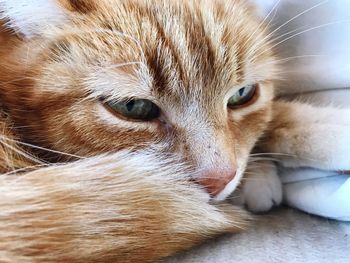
(297, 16)
(23, 153)
(281, 26)
(264, 20)
(41, 148)
(305, 31)
(24, 169)
(288, 59)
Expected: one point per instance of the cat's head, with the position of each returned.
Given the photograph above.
(187, 77)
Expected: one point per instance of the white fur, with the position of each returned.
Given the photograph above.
(31, 17)
(262, 188)
(319, 137)
(320, 146)
(107, 80)
(230, 187)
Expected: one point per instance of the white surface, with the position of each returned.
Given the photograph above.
(326, 61)
(318, 192)
(282, 236)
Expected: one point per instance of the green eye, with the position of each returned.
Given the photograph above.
(243, 96)
(138, 109)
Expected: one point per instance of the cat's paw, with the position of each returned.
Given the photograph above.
(262, 188)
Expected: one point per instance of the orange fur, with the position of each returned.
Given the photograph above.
(104, 209)
(187, 57)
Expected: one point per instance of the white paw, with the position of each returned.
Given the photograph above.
(262, 188)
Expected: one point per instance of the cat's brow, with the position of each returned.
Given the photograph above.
(113, 84)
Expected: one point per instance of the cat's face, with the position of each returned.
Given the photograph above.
(185, 77)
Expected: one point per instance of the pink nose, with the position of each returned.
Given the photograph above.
(215, 181)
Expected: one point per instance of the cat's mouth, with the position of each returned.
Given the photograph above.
(230, 187)
(221, 187)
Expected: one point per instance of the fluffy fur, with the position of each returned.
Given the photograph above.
(61, 60)
(298, 135)
(119, 208)
(187, 58)
(66, 58)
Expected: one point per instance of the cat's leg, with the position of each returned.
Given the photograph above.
(303, 135)
(261, 188)
(126, 207)
(319, 137)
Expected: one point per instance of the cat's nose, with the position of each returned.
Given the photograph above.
(214, 181)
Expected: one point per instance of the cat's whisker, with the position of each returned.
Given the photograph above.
(22, 127)
(24, 169)
(272, 153)
(234, 197)
(125, 64)
(22, 153)
(248, 179)
(287, 33)
(253, 157)
(259, 45)
(273, 17)
(41, 148)
(274, 8)
(303, 32)
(257, 177)
(259, 165)
(282, 60)
(15, 80)
(287, 155)
(249, 172)
(261, 162)
(295, 57)
(313, 28)
(295, 17)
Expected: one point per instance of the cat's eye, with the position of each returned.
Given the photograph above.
(243, 96)
(137, 109)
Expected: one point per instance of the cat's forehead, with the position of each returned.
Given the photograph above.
(183, 48)
(186, 47)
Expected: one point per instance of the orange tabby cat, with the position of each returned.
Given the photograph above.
(171, 91)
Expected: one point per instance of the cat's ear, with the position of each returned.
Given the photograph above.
(31, 17)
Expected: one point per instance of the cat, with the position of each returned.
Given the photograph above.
(195, 74)
(125, 123)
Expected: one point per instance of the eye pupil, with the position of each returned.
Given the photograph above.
(130, 105)
(138, 109)
(243, 96)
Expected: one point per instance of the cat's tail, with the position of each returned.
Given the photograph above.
(125, 207)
